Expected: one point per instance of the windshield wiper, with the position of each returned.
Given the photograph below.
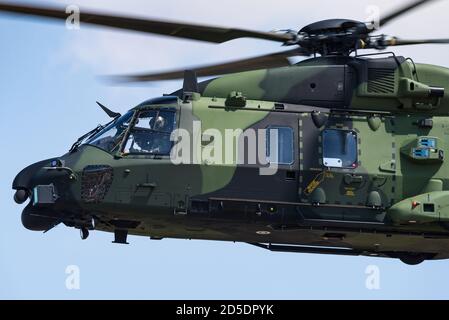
(91, 133)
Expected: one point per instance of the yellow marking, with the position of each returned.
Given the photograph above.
(350, 193)
(329, 175)
(312, 187)
(315, 183)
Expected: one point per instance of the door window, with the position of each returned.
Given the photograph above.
(280, 150)
(340, 148)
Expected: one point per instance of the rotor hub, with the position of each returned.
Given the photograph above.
(334, 36)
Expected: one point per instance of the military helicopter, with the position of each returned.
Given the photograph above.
(359, 148)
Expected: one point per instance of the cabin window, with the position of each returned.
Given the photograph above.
(340, 148)
(279, 145)
(151, 133)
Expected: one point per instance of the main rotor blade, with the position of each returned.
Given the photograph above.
(405, 42)
(275, 60)
(401, 11)
(167, 28)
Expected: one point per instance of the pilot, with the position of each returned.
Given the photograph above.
(161, 143)
(157, 141)
(160, 124)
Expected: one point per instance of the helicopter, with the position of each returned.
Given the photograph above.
(343, 153)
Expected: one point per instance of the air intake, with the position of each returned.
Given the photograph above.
(381, 81)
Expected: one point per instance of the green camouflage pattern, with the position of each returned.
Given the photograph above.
(391, 204)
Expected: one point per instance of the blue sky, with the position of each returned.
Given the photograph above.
(48, 89)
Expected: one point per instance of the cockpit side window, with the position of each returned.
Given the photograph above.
(151, 133)
(110, 138)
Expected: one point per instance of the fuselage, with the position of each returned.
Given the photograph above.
(359, 164)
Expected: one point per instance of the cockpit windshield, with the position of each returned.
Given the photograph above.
(110, 138)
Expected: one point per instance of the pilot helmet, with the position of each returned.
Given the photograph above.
(159, 123)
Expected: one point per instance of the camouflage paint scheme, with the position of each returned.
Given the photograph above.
(390, 205)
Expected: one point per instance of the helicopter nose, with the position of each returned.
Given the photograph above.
(25, 181)
(36, 182)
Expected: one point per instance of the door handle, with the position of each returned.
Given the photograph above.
(150, 185)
